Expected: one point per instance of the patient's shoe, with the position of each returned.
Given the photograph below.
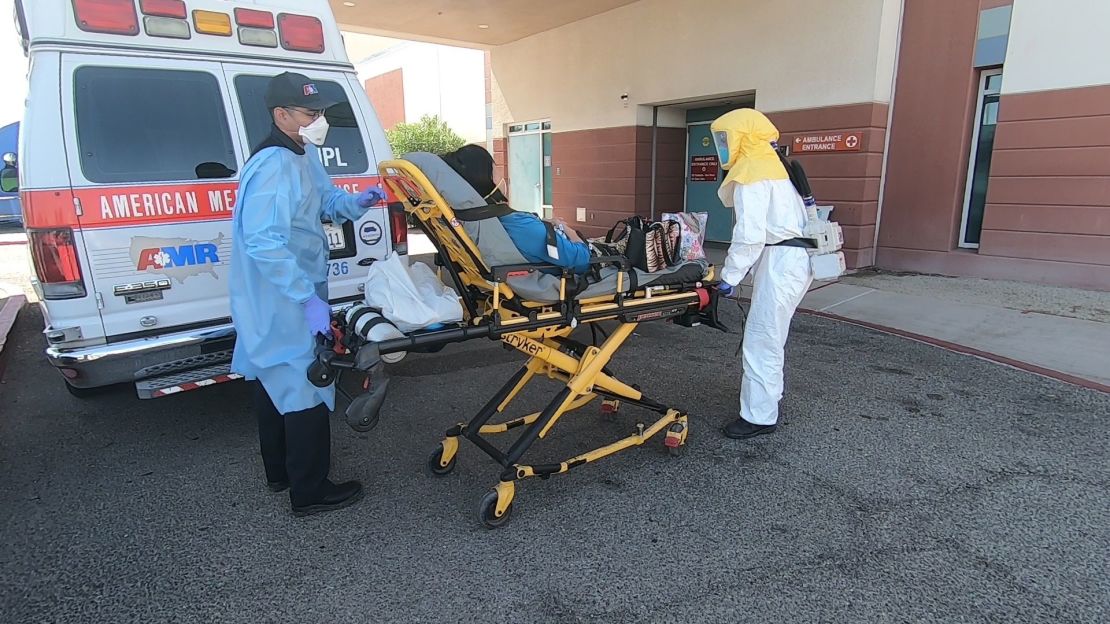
(331, 497)
(741, 429)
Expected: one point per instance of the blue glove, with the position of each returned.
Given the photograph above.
(725, 289)
(317, 313)
(371, 197)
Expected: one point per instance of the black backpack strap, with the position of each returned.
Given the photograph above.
(481, 213)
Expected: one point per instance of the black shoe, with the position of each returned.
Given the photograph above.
(741, 429)
(278, 486)
(332, 497)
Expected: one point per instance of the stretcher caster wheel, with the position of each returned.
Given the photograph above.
(676, 439)
(434, 466)
(487, 511)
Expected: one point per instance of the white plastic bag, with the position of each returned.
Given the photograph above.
(411, 297)
(691, 246)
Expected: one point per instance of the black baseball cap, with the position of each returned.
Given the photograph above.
(290, 89)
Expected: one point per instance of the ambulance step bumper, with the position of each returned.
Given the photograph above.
(176, 383)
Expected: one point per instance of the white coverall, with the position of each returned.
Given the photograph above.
(768, 210)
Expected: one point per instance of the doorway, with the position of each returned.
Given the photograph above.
(530, 167)
(704, 173)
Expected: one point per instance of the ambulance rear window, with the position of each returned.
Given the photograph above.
(344, 152)
(151, 125)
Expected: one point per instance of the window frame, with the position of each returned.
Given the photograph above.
(973, 151)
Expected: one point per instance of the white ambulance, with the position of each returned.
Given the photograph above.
(140, 116)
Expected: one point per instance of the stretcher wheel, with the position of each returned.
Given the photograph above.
(676, 439)
(433, 465)
(487, 509)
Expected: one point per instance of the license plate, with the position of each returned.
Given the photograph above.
(336, 239)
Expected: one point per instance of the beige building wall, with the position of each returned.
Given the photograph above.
(1057, 44)
(795, 55)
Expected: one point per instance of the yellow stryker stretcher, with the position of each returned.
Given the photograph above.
(529, 309)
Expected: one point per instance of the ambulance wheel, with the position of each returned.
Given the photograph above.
(435, 468)
(487, 511)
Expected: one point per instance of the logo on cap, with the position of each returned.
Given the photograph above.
(310, 89)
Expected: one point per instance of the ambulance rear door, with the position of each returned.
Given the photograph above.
(154, 157)
(348, 156)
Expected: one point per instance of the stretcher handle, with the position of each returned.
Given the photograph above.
(505, 271)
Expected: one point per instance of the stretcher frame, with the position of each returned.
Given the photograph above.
(542, 332)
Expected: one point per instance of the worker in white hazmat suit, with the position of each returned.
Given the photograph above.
(279, 292)
(766, 239)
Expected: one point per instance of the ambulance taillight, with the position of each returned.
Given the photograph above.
(398, 228)
(116, 17)
(57, 266)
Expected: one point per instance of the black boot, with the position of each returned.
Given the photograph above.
(271, 436)
(331, 497)
(307, 458)
(741, 429)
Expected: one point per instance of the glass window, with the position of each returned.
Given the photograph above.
(990, 111)
(344, 152)
(980, 166)
(994, 83)
(151, 125)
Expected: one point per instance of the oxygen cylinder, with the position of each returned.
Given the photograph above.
(369, 324)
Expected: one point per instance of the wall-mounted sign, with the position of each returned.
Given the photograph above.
(838, 142)
(703, 168)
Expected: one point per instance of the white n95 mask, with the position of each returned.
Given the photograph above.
(316, 132)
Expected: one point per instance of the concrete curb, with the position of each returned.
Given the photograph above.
(958, 348)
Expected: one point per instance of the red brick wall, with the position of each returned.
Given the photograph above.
(931, 130)
(1049, 191)
(848, 181)
(597, 170)
(387, 94)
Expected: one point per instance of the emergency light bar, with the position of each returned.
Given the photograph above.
(170, 19)
(212, 23)
(301, 33)
(164, 8)
(251, 18)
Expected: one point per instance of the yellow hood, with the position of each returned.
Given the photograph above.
(750, 155)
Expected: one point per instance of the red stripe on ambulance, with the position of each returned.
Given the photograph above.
(123, 206)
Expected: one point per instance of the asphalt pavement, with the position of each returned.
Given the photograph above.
(907, 484)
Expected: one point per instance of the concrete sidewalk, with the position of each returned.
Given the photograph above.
(1062, 333)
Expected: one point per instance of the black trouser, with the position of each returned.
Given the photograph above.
(295, 446)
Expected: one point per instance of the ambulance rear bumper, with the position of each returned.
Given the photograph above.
(135, 360)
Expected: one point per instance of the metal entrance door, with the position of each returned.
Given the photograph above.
(703, 177)
(526, 173)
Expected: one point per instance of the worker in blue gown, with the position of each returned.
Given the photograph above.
(279, 292)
